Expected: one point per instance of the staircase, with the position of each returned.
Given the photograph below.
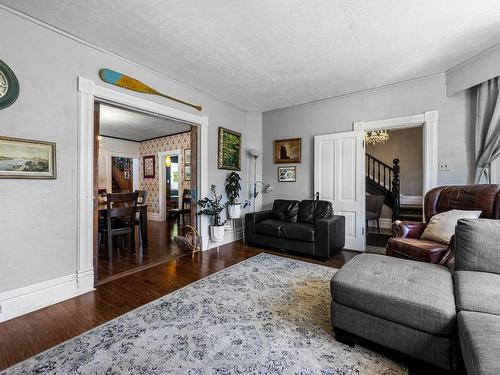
(119, 182)
(383, 179)
(410, 212)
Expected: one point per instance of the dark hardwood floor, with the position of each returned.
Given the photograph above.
(23, 337)
(161, 247)
(30, 334)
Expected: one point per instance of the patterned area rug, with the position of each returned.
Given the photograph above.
(266, 315)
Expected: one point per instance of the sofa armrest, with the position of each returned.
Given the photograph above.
(253, 218)
(408, 229)
(329, 235)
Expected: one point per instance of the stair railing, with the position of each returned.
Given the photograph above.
(386, 177)
(396, 190)
(379, 172)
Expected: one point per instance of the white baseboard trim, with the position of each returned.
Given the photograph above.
(411, 199)
(23, 300)
(154, 216)
(231, 235)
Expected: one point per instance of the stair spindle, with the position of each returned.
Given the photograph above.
(396, 190)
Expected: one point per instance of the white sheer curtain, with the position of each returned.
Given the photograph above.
(487, 128)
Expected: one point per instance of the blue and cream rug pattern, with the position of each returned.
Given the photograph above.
(265, 315)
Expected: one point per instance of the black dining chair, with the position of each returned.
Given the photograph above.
(120, 219)
(177, 213)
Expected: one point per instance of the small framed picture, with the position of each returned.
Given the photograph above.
(287, 174)
(149, 168)
(25, 158)
(187, 156)
(187, 173)
(287, 150)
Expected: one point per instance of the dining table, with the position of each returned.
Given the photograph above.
(142, 209)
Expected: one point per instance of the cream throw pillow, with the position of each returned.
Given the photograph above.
(442, 226)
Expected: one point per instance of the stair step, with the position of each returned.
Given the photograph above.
(410, 217)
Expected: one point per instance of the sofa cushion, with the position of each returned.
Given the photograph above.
(479, 335)
(269, 227)
(312, 210)
(414, 294)
(298, 231)
(477, 291)
(285, 210)
(415, 248)
(442, 226)
(477, 245)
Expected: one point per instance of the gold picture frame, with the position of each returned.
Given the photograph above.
(27, 159)
(287, 150)
(229, 150)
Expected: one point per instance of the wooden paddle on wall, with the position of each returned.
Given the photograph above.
(122, 80)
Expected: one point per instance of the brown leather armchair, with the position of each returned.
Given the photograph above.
(407, 243)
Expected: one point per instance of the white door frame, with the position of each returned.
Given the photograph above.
(88, 92)
(109, 167)
(161, 180)
(429, 122)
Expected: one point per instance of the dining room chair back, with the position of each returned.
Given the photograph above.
(120, 218)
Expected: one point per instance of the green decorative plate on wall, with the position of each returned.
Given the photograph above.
(9, 86)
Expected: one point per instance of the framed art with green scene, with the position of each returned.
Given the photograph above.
(229, 150)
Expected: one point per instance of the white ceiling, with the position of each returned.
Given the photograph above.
(261, 54)
(136, 126)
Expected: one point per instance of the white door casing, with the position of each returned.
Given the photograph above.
(429, 122)
(339, 165)
(88, 92)
(162, 183)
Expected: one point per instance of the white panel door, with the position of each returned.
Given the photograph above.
(339, 177)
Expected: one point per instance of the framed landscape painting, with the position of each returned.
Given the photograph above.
(187, 156)
(24, 158)
(287, 150)
(287, 174)
(229, 149)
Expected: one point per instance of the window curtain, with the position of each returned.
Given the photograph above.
(487, 131)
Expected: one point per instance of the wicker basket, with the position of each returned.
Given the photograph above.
(188, 239)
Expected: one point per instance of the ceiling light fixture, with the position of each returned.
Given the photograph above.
(376, 137)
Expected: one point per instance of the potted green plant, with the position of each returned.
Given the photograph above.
(233, 188)
(212, 206)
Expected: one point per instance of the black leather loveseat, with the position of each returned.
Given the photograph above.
(307, 227)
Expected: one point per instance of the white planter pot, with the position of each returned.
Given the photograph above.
(217, 233)
(234, 211)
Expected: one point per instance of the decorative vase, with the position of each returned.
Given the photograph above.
(234, 211)
(217, 233)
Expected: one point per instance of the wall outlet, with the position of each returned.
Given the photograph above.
(444, 166)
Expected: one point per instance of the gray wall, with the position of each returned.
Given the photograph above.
(405, 145)
(38, 224)
(338, 115)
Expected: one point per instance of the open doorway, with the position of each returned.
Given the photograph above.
(130, 158)
(394, 169)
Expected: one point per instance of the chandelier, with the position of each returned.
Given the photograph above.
(376, 137)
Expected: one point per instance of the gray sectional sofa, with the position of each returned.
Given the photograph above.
(425, 310)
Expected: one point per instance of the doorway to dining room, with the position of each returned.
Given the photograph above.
(138, 156)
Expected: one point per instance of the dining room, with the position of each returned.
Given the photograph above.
(143, 183)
